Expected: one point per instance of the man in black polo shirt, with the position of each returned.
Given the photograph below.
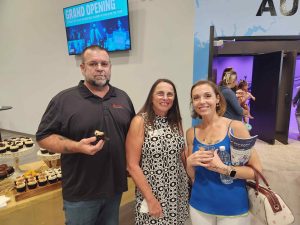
(93, 174)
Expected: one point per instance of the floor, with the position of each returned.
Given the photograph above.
(281, 165)
(294, 136)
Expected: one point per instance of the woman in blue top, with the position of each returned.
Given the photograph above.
(213, 199)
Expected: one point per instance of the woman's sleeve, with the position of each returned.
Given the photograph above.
(233, 101)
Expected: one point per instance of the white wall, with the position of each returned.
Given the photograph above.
(34, 64)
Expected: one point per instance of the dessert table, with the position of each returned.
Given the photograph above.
(43, 209)
(46, 208)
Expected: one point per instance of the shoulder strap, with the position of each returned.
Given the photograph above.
(229, 126)
(258, 175)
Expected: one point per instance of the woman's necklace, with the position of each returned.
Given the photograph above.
(210, 141)
(209, 137)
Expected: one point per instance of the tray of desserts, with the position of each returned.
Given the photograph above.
(15, 146)
(34, 183)
(46, 155)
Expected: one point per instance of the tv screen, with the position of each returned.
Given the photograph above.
(101, 22)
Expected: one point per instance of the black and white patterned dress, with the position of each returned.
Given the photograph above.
(162, 166)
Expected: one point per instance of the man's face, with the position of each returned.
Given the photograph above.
(96, 68)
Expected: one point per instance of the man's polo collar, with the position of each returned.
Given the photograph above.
(86, 93)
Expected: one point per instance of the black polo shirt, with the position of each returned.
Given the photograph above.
(76, 113)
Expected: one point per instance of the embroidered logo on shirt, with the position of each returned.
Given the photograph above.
(117, 106)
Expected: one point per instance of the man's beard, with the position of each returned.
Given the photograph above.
(98, 85)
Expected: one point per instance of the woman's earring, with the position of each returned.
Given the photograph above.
(218, 106)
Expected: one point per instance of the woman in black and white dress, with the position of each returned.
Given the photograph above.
(154, 148)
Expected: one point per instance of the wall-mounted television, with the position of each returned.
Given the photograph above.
(100, 22)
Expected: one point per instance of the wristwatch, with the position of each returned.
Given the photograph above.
(231, 171)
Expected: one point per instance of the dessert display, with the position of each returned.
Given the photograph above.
(15, 148)
(33, 182)
(50, 158)
(15, 144)
(46, 152)
(5, 171)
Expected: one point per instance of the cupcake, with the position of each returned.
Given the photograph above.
(52, 179)
(49, 172)
(32, 183)
(43, 174)
(14, 148)
(3, 147)
(99, 135)
(20, 179)
(42, 180)
(20, 144)
(28, 176)
(57, 170)
(20, 186)
(44, 151)
(58, 176)
(28, 143)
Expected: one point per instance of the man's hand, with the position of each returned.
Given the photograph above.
(85, 146)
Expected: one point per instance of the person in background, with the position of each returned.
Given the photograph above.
(154, 148)
(233, 110)
(95, 35)
(213, 201)
(228, 69)
(93, 173)
(86, 37)
(120, 26)
(243, 96)
(296, 103)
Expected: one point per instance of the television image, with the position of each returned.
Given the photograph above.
(101, 22)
